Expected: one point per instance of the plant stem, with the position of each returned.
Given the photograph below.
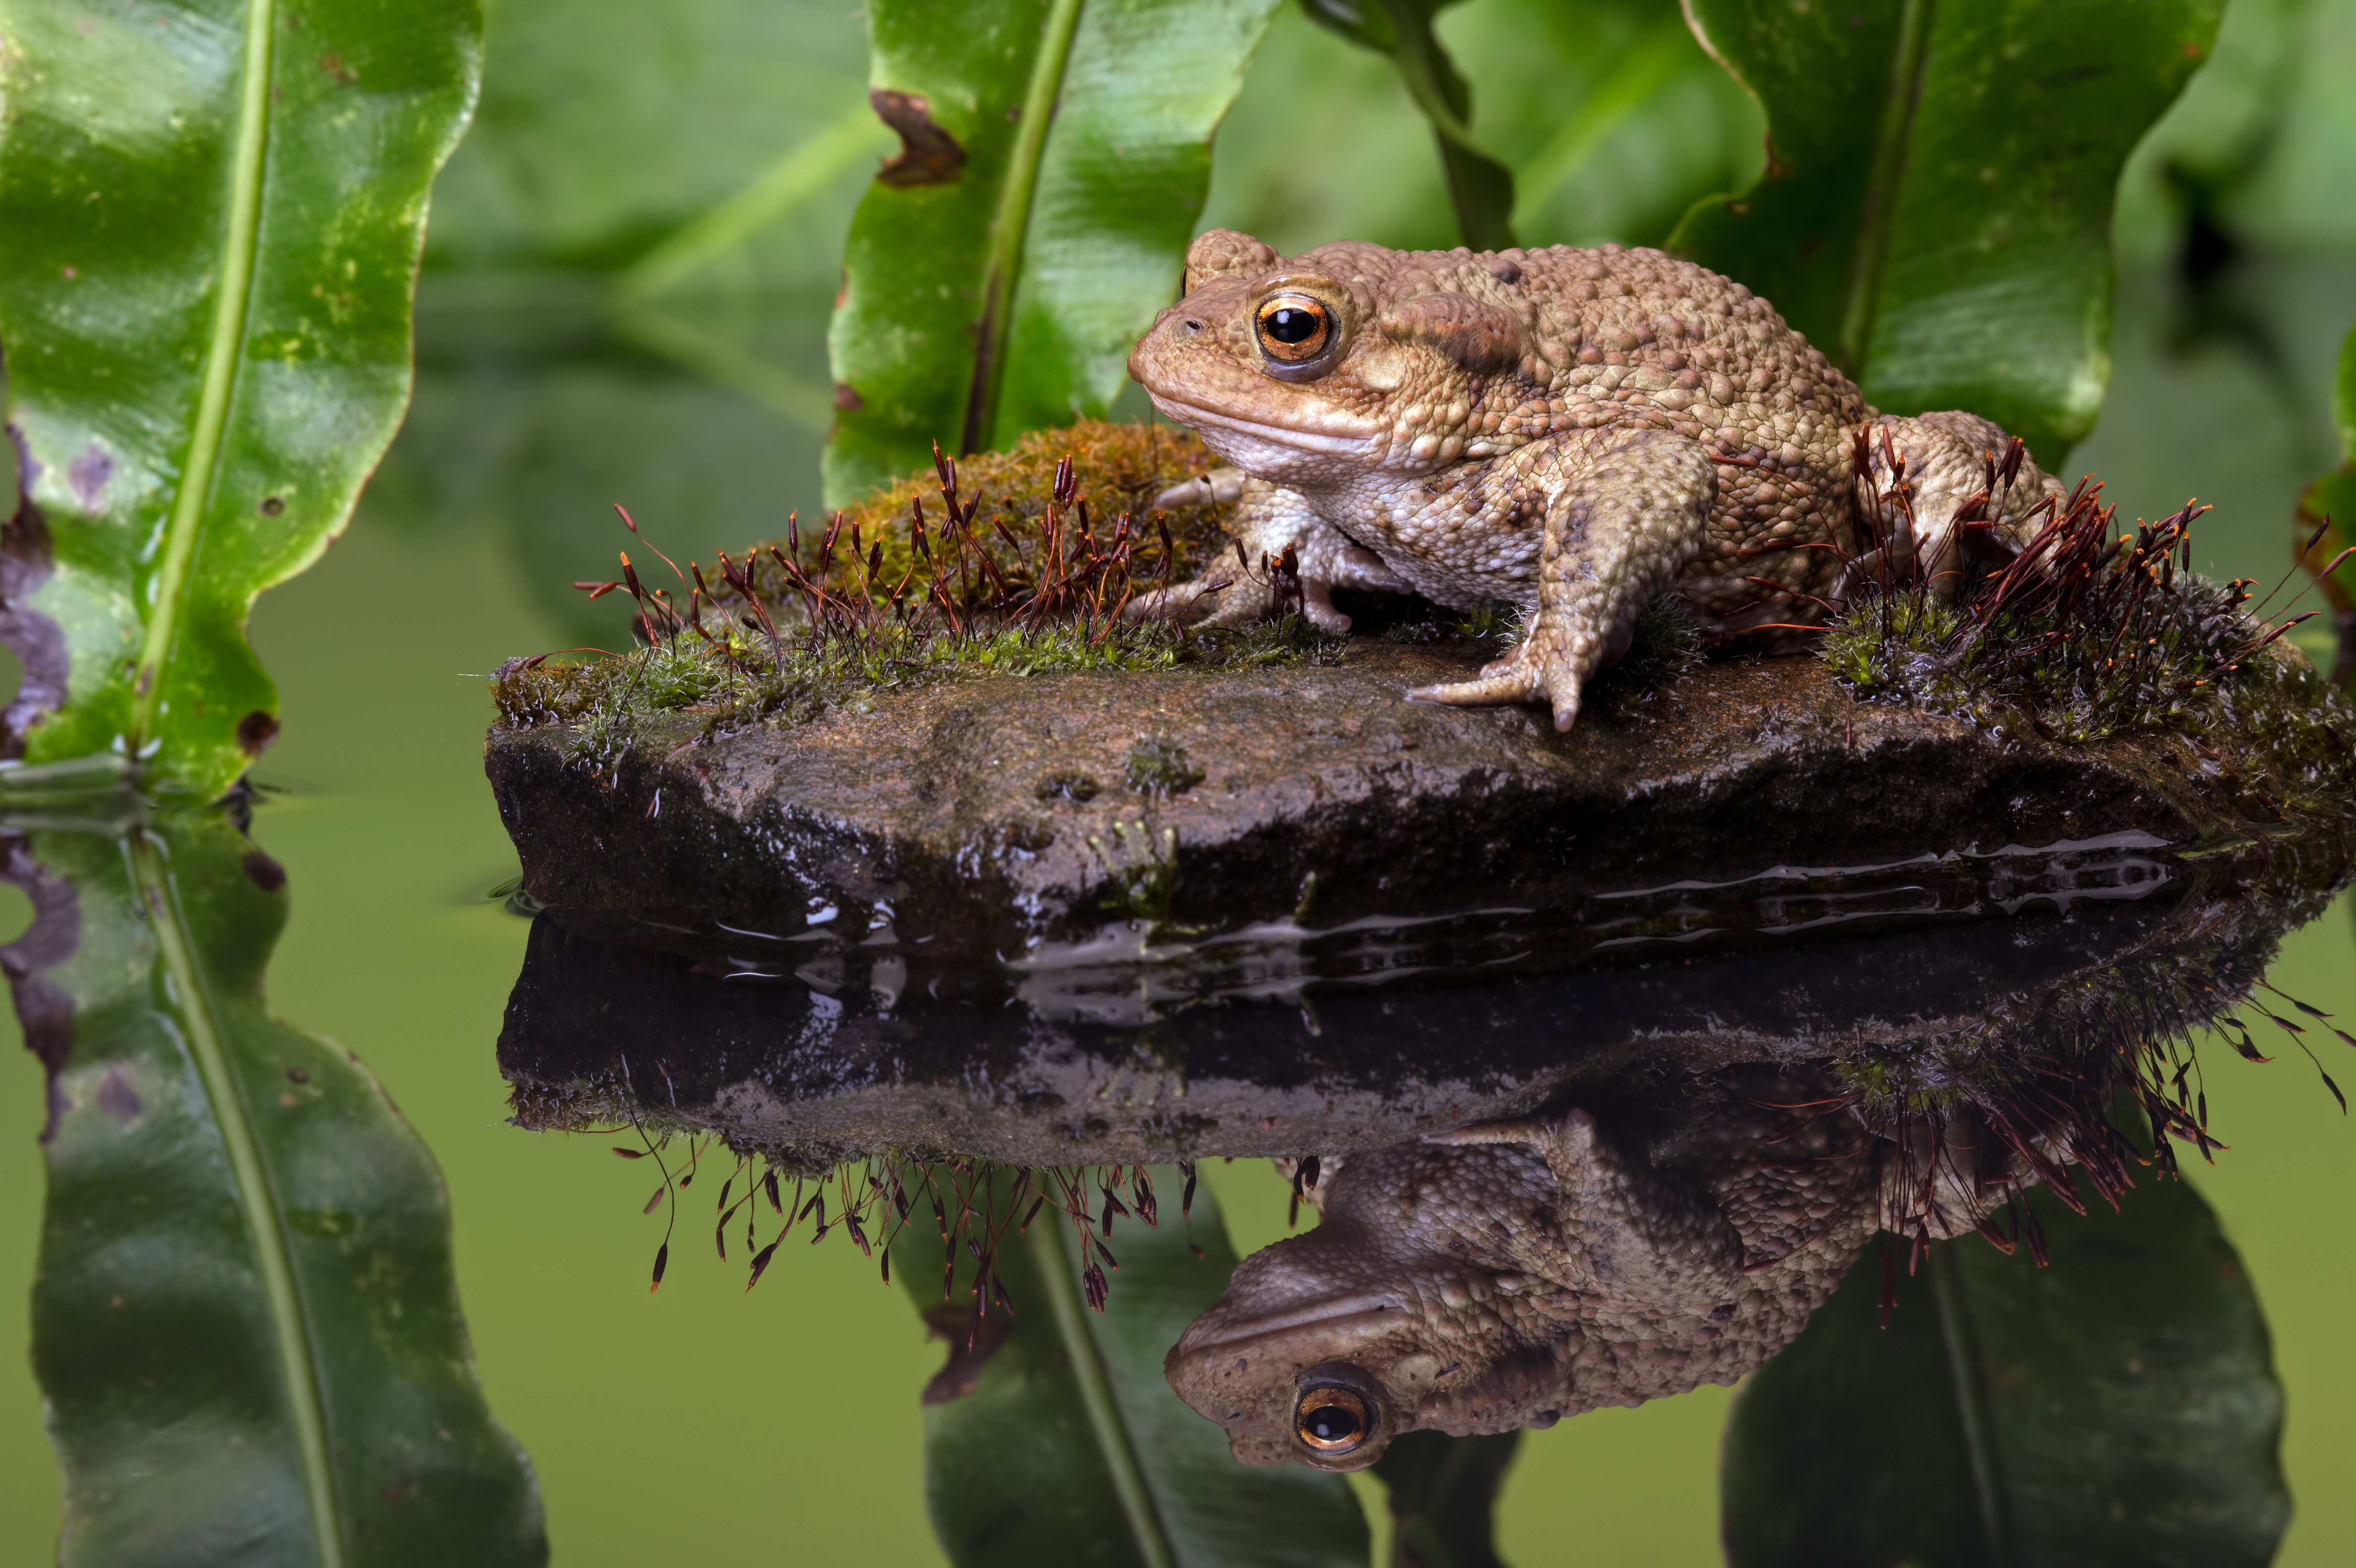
(801, 172)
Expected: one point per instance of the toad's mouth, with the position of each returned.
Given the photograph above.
(1197, 417)
(1350, 1318)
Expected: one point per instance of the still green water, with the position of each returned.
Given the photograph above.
(703, 1424)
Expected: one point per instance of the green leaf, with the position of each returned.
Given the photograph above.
(2119, 1406)
(1653, 101)
(245, 1323)
(213, 215)
(1058, 1440)
(609, 128)
(999, 268)
(1443, 1498)
(1936, 214)
(1479, 186)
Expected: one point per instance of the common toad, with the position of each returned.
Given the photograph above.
(1573, 433)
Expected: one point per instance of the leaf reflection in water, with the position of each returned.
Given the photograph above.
(245, 1320)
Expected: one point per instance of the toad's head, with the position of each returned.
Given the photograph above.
(1328, 1345)
(1311, 371)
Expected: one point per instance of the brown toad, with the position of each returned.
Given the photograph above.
(1573, 433)
(1512, 1273)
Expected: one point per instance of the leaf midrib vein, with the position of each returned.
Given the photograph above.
(222, 357)
(160, 892)
(1878, 216)
(1959, 1338)
(1086, 1363)
(1012, 222)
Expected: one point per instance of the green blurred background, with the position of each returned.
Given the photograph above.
(631, 263)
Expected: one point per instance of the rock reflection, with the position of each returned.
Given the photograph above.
(872, 1047)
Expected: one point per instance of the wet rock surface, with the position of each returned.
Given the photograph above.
(989, 817)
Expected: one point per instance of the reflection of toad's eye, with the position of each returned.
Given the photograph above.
(1294, 328)
(1332, 1419)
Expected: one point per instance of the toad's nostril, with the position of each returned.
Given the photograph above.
(1193, 326)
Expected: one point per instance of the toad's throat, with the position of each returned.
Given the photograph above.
(1208, 421)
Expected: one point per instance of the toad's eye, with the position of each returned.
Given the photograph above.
(1332, 1419)
(1293, 328)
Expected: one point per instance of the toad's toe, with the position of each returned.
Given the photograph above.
(1486, 692)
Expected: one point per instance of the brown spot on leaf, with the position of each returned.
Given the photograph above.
(846, 398)
(88, 473)
(333, 64)
(927, 155)
(272, 506)
(263, 871)
(953, 1321)
(37, 641)
(255, 732)
(118, 1099)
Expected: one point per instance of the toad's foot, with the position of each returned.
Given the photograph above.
(1970, 501)
(1241, 585)
(1625, 512)
(1231, 597)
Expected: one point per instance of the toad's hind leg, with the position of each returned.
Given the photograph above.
(1625, 512)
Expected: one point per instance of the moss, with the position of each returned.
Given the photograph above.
(1667, 645)
(1438, 625)
(2082, 636)
(2101, 677)
(1078, 787)
(1014, 570)
(1116, 469)
(1160, 767)
(1141, 875)
(736, 678)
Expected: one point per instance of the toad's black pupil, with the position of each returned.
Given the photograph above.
(1287, 324)
(1332, 1424)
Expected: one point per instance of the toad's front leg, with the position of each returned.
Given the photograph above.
(1237, 587)
(1625, 512)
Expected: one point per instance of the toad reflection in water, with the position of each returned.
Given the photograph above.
(1513, 1272)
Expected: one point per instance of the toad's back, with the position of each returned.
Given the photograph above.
(1615, 336)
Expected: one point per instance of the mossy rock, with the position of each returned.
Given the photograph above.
(995, 813)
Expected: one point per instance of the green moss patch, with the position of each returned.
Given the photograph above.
(2083, 635)
(726, 683)
(1012, 571)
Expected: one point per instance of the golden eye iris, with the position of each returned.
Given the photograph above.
(1332, 1419)
(1293, 328)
